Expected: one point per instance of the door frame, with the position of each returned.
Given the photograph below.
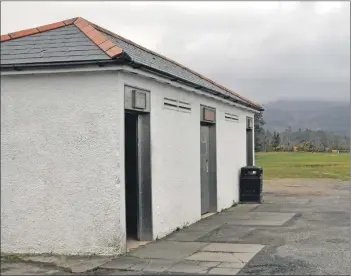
(212, 155)
(144, 221)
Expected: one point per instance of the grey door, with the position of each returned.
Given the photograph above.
(144, 176)
(205, 168)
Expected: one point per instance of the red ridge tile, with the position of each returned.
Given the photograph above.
(43, 28)
(81, 23)
(96, 36)
(114, 51)
(108, 44)
(5, 37)
(69, 21)
(79, 19)
(24, 33)
(92, 33)
(87, 29)
(51, 26)
(99, 38)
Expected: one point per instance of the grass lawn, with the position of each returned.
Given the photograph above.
(304, 165)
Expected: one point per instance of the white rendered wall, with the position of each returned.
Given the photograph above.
(61, 161)
(175, 144)
(231, 155)
(175, 160)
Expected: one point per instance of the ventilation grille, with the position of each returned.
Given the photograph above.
(231, 117)
(176, 105)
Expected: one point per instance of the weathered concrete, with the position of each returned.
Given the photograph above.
(215, 256)
(70, 263)
(224, 271)
(185, 236)
(169, 250)
(18, 268)
(228, 247)
(190, 267)
(158, 265)
(232, 234)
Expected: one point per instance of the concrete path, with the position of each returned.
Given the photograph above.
(294, 232)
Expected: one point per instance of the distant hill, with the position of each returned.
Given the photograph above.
(312, 114)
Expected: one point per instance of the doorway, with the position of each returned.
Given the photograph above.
(131, 175)
(138, 176)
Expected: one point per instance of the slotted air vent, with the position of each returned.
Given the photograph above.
(184, 106)
(231, 117)
(176, 105)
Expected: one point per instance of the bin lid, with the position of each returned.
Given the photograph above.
(252, 167)
(251, 170)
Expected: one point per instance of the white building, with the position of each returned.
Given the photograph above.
(103, 140)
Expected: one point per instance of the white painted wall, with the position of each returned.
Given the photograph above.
(231, 155)
(175, 154)
(62, 181)
(61, 163)
(175, 143)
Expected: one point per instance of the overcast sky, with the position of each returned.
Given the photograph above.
(263, 50)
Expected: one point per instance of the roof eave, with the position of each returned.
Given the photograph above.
(121, 59)
(196, 86)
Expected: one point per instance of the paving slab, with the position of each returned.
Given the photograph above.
(254, 218)
(231, 247)
(122, 262)
(215, 257)
(88, 264)
(242, 208)
(155, 265)
(139, 266)
(169, 250)
(227, 233)
(186, 236)
(244, 257)
(224, 271)
(204, 227)
(188, 266)
(232, 265)
(231, 216)
(147, 265)
(103, 271)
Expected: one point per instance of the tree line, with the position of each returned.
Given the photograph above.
(297, 140)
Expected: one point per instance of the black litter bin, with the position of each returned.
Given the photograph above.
(251, 184)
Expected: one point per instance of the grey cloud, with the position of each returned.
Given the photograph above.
(264, 55)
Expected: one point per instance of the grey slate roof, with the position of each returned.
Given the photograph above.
(60, 45)
(76, 43)
(154, 61)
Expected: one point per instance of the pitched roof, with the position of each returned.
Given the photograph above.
(78, 40)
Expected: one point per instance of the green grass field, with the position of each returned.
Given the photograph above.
(304, 165)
